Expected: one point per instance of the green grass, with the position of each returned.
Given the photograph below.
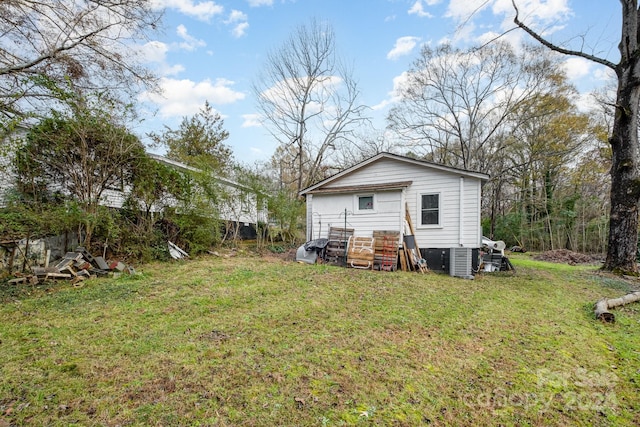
(262, 342)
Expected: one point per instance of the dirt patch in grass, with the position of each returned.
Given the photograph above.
(567, 257)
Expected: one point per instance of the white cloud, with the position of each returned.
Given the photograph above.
(488, 37)
(189, 43)
(258, 3)
(171, 70)
(576, 68)
(240, 20)
(251, 120)
(544, 16)
(604, 74)
(186, 97)
(155, 52)
(403, 46)
(204, 10)
(536, 10)
(586, 102)
(461, 10)
(399, 83)
(532, 11)
(463, 33)
(236, 16)
(281, 93)
(418, 9)
(240, 29)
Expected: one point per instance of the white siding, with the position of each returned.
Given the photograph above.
(113, 198)
(472, 220)
(6, 178)
(241, 206)
(311, 233)
(389, 214)
(329, 211)
(7, 174)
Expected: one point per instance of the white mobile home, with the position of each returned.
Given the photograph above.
(376, 194)
(241, 206)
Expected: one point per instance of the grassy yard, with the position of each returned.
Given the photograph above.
(251, 341)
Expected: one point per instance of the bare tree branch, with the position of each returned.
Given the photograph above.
(556, 48)
(308, 102)
(91, 42)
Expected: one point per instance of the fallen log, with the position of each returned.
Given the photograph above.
(603, 306)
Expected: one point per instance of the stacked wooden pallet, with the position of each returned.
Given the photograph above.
(336, 249)
(387, 244)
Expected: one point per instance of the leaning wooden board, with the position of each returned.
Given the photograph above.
(419, 265)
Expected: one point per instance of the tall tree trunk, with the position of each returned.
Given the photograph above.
(625, 176)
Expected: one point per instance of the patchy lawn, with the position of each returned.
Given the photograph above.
(253, 341)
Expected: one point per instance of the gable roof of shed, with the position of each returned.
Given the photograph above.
(317, 187)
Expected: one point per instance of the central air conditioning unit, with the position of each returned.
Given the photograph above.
(460, 262)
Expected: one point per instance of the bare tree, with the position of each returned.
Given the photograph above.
(625, 168)
(367, 144)
(89, 42)
(308, 99)
(455, 104)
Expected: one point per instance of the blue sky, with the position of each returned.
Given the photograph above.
(214, 50)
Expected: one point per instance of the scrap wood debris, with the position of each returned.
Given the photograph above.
(75, 266)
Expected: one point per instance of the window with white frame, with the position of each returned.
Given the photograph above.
(365, 203)
(430, 209)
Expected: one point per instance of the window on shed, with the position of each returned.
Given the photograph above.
(430, 209)
(365, 203)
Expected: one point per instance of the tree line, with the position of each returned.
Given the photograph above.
(512, 115)
(508, 112)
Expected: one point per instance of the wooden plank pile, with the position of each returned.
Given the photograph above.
(75, 266)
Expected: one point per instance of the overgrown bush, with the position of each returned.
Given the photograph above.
(197, 233)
